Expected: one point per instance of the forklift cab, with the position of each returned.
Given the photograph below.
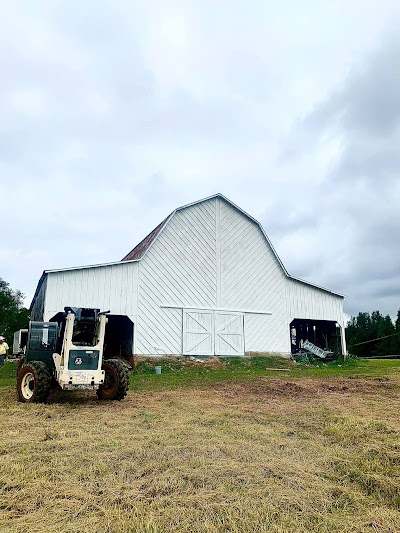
(42, 342)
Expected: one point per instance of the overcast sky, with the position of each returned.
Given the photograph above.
(113, 113)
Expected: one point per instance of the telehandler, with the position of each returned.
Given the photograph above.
(69, 353)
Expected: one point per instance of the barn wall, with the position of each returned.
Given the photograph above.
(179, 269)
(305, 301)
(210, 255)
(252, 279)
(37, 312)
(112, 287)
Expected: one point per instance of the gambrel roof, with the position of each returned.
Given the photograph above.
(140, 250)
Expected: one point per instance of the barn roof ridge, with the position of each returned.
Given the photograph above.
(140, 250)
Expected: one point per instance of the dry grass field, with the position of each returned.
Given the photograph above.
(249, 454)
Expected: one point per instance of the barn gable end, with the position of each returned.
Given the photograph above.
(211, 256)
(252, 278)
(206, 281)
(179, 270)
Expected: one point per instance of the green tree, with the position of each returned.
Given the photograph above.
(367, 327)
(386, 328)
(358, 331)
(396, 339)
(13, 315)
(397, 323)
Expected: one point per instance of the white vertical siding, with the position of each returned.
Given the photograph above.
(109, 287)
(179, 269)
(305, 301)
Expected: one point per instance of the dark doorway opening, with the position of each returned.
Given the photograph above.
(118, 341)
(325, 334)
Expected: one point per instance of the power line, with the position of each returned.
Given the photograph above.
(373, 340)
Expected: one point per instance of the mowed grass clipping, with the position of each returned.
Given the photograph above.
(302, 451)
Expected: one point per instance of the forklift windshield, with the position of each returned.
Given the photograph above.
(42, 336)
(85, 327)
(84, 334)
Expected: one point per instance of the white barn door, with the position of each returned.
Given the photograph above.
(229, 339)
(212, 333)
(198, 333)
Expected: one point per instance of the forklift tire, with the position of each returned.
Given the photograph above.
(33, 382)
(116, 381)
(20, 364)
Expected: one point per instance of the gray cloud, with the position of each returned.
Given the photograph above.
(360, 125)
(114, 113)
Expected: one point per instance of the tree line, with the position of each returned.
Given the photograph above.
(366, 327)
(13, 315)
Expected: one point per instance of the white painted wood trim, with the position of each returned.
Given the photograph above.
(83, 267)
(186, 307)
(343, 339)
(218, 249)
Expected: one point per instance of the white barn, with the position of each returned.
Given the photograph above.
(206, 281)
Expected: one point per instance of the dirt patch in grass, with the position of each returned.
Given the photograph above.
(311, 388)
(262, 454)
(144, 363)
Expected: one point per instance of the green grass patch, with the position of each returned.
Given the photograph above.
(178, 372)
(181, 372)
(8, 374)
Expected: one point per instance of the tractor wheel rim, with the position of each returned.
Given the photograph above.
(28, 385)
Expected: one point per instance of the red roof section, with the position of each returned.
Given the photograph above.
(141, 248)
